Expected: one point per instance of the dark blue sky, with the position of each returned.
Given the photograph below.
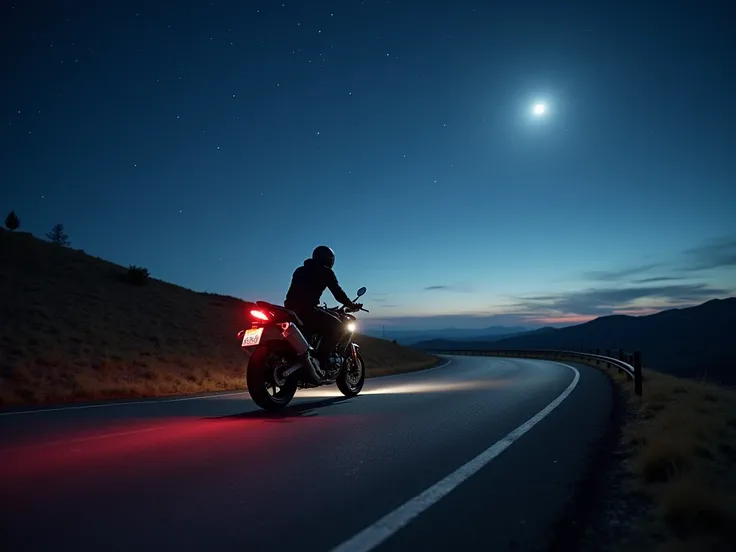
(216, 143)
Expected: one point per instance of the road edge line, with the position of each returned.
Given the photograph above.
(376, 533)
(156, 400)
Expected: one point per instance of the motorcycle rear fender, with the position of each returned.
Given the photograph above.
(271, 332)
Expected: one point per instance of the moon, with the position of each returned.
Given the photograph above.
(539, 109)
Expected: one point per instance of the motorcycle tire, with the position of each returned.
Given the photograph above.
(259, 374)
(348, 388)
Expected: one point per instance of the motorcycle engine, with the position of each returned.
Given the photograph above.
(336, 361)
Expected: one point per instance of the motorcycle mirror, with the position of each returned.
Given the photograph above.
(361, 291)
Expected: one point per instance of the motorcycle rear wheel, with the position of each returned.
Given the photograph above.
(261, 378)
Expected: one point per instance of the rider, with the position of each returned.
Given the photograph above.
(308, 283)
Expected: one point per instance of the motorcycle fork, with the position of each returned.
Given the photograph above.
(353, 351)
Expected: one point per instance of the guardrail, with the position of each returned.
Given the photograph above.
(625, 362)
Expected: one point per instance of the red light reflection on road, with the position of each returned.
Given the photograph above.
(138, 448)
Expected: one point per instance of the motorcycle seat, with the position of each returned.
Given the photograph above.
(271, 306)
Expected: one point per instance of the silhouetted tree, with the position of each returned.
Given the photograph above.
(58, 236)
(12, 222)
(137, 275)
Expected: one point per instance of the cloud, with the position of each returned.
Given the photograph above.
(714, 254)
(657, 279)
(603, 301)
(455, 287)
(718, 253)
(621, 274)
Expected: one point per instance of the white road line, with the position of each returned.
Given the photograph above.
(128, 403)
(195, 398)
(373, 535)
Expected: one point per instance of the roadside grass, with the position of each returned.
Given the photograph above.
(72, 329)
(681, 443)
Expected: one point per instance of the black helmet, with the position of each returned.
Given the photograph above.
(324, 255)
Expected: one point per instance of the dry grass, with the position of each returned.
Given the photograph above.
(683, 458)
(684, 444)
(72, 329)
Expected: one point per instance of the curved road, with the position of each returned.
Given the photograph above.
(483, 452)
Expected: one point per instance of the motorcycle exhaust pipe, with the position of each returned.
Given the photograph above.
(291, 370)
(294, 337)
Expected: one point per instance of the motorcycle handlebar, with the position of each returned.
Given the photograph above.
(346, 309)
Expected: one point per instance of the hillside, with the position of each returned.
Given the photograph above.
(71, 327)
(690, 342)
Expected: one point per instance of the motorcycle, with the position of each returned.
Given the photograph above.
(282, 355)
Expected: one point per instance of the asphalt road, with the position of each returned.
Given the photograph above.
(482, 453)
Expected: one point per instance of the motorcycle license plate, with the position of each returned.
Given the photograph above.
(252, 337)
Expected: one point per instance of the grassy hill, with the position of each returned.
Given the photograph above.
(72, 327)
(690, 342)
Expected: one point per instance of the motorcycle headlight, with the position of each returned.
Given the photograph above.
(351, 326)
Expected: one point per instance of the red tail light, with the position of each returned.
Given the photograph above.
(259, 315)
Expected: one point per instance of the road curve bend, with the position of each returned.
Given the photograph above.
(480, 452)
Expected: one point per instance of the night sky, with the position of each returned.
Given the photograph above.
(216, 143)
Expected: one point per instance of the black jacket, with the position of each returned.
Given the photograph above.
(309, 282)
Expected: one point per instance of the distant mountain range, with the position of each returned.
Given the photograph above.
(411, 337)
(478, 343)
(697, 341)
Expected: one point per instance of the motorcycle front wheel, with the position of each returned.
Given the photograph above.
(266, 388)
(351, 379)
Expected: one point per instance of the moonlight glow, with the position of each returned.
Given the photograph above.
(539, 109)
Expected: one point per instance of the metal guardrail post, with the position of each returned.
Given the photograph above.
(637, 373)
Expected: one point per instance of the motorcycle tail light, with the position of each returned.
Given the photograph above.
(258, 315)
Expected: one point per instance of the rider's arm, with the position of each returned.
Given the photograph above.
(337, 291)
